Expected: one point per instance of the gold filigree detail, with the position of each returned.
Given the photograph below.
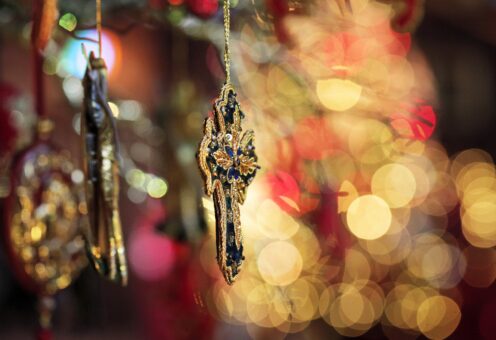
(203, 154)
(223, 159)
(228, 163)
(221, 219)
(236, 217)
(247, 165)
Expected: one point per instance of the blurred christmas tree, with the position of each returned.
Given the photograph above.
(354, 220)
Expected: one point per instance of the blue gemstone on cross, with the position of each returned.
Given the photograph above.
(229, 151)
(232, 173)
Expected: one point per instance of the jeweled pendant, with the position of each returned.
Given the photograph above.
(43, 219)
(228, 163)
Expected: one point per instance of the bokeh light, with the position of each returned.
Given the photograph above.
(68, 21)
(395, 184)
(279, 263)
(369, 217)
(73, 62)
(438, 317)
(151, 255)
(157, 187)
(338, 94)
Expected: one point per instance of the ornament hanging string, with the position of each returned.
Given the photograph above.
(44, 18)
(99, 25)
(39, 95)
(227, 50)
(99, 33)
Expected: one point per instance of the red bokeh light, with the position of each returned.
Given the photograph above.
(203, 8)
(283, 187)
(418, 122)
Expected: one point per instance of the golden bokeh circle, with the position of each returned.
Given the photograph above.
(394, 183)
(274, 223)
(438, 317)
(338, 94)
(369, 217)
(280, 263)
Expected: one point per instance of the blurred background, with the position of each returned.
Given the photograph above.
(374, 213)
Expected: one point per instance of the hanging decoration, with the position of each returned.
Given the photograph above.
(43, 215)
(228, 163)
(43, 211)
(104, 240)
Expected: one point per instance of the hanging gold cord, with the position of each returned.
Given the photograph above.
(99, 25)
(227, 51)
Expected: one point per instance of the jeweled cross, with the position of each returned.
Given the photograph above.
(228, 163)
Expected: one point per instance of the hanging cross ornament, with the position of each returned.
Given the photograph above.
(228, 163)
